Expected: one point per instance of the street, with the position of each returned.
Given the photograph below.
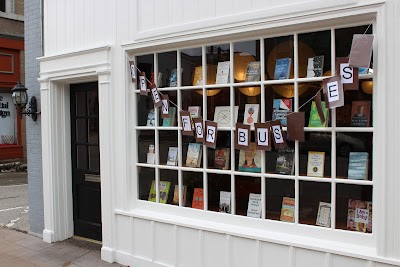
(14, 201)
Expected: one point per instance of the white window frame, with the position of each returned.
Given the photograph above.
(262, 229)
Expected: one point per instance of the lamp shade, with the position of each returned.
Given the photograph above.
(367, 87)
(211, 76)
(19, 95)
(240, 62)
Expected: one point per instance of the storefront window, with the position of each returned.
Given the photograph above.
(323, 181)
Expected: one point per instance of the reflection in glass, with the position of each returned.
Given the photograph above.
(246, 62)
(192, 181)
(216, 184)
(167, 139)
(145, 139)
(245, 185)
(311, 195)
(215, 54)
(94, 158)
(146, 177)
(167, 69)
(93, 125)
(192, 67)
(81, 130)
(275, 49)
(276, 190)
(167, 195)
(81, 157)
(145, 64)
(80, 103)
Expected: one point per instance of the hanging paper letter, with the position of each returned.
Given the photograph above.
(186, 123)
(333, 90)
(348, 74)
(156, 96)
(133, 70)
(211, 129)
(165, 106)
(263, 136)
(242, 136)
(198, 127)
(143, 83)
(277, 133)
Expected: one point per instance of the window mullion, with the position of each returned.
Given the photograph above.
(296, 109)
(333, 136)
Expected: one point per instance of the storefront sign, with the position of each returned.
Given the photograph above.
(7, 116)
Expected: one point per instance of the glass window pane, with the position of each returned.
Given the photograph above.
(145, 140)
(167, 193)
(344, 38)
(145, 64)
(145, 111)
(145, 177)
(93, 103)
(82, 157)
(94, 158)
(173, 111)
(314, 195)
(217, 201)
(167, 69)
(244, 186)
(276, 190)
(168, 147)
(349, 198)
(357, 110)
(281, 161)
(80, 103)
(246, 61)
(314, 54)
(93, 127)
(192, 66)
(81, 130)
(216, 54)
(279, 49)
(220, 157)
(194, 184)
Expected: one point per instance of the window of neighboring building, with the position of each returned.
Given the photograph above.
(323, 181)
(3, 5)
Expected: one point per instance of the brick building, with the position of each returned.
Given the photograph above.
(12, 61)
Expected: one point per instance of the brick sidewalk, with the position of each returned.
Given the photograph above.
(22, 250)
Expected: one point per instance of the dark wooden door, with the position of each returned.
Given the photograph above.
(86, 160)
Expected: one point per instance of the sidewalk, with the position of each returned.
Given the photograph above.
(22, 250)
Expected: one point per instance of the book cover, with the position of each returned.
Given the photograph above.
(360, 113)
(222, 72)
(251, 114)
(324, 214)
(172, 156)
(198, 76)
(281, 107)
(225, 202)
(358, 166)
(198, 201)
(282, 68)
(253, 71)
(287, 210)
(315, 67)
(193, 158)
(151, 118)
(171, 120)
(175, 200)
(315, 165)
(221, 159)
(285, 161)
(173, 78)
(315, 120)
(223, 116)
(151, 156)
(359, 216)
(250, 161)
(254, 206)
(164, 190)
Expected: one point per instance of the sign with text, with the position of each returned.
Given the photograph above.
(277, 135)
(165, 106)
(143, 83)
(198, 129)
(155, 95)
(186, 123)
(133, 70)
(348, 75)
(333, 90)
(211, 132)
(7, 117)
(242, 139)
(263, 136)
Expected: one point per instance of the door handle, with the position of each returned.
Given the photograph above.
(92, 178)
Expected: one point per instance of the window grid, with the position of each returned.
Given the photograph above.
(332, 129)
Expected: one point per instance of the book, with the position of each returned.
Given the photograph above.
(253, 71)
(175, 200)
(223, 115)
(221, 160)
(284, 161)
(250, 161)
(315, 120)
(151, 156)
(164, 190)
(360, 113)
(315, 165)
(324, 214)
(281, 107)
(358, 166)
(198, 199)
(222, 72)
(195, 112)
(225, 202)
(287, 210)
(254, 207)
(359, 216)
(198, 76)
(172, 117)
(193, 157)
(251, 113)
(151, 118)
(173, 78)
(282, 68)
(315, 67)
(172, 158)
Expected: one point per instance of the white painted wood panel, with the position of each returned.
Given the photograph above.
(79, 29)
(89, 23)
(61, 25)
(310, 258)
(241, 247)
(165, 244)
(143, 237)
(275, 255)
(378, 264)
(145, 15)
(189, 247)
(216, 249)
(340, 261)
(161, 13)
(190, 10)
(101, 18)
(207, 9)
(123, 226)
(70, 24)
(223, 8)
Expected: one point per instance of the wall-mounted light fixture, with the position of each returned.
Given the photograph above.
(20, 99)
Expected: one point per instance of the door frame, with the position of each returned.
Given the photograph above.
(56, 74)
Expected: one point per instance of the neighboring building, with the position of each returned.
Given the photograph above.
(12, 61)
(33, 50)
(96, 133)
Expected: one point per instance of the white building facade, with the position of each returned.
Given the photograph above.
(92, 113)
